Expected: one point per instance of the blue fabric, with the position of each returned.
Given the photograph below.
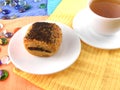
(34, 10)
(52, 4)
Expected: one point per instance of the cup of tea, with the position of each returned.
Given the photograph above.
(105, 16)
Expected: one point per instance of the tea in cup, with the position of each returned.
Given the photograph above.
(105, 16)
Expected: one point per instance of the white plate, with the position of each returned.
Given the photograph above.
(67, 54)
(81, 25)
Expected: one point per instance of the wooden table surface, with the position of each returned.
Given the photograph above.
(14, 82)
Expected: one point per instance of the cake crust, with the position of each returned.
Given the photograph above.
(43, 39)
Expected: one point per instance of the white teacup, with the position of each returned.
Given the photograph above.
(104, 16)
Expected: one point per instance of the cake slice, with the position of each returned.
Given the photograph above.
(43, 39)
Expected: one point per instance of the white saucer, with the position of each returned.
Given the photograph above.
(67, 54)
(81, 25)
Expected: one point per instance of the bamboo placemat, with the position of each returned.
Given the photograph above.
(95, 69)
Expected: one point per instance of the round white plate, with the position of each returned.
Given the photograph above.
(81, 25)
(68, 53)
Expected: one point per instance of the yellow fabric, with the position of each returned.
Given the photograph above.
(95, 69)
